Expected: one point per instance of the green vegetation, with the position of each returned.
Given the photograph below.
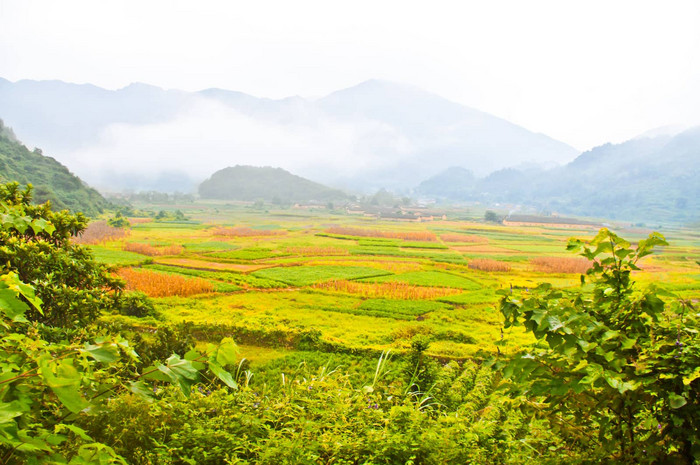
(270, 184)
(430, 278)
(343, 358)
(51, 180)
(307, 275)
(613, 345)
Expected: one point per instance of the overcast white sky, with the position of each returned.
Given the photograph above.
(583, 72)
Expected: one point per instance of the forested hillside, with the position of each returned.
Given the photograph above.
(644, 179)
(271, 184)
(51, 180)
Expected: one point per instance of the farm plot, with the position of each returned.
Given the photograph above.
(429, 279)
(308, 275)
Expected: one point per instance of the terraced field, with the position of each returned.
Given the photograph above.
(290, 279)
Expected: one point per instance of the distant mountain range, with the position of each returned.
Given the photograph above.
(250, 183)
(51, 180)
(376, 134)
(644, 179)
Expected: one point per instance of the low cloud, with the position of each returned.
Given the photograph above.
(208, 136)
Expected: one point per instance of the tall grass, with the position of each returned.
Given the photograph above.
(389, 290)
(98, 232)
(403, 235)
(151, 251)
(561, 264)
(157, 284)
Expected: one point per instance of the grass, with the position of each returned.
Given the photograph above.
(210, 246)
(250, 253)
(430, 279)
(308, 275)
(118, 257)
(400, 309)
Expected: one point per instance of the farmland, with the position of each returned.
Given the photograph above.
(371, 341)
(358, 285)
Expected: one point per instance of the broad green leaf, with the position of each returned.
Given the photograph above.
(73, 429)
(105, 352)
(64, 380)
(223, 375)
(11, 410)
(676, 401)
(141, 389)
(226, 352)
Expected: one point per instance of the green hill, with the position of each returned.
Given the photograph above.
(271, 184)
(51, 180)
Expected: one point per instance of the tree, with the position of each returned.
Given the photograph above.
(46, 386)
(35, 243)
(615, 368)
(491, 216)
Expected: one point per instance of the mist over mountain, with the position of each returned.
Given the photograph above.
(376, 134)
(643, 179)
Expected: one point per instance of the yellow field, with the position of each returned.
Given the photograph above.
(347, 283)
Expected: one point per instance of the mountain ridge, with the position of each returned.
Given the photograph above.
(364, 137)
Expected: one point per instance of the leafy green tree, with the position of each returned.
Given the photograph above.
(35, 243)
(491, 216)
(615, 368)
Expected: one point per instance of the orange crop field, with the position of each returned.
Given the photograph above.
(390, 290)
(487, 264)
(452, 237)
(561, 264)
(146, 249)
(163, 285)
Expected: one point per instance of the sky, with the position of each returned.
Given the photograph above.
(585, 73)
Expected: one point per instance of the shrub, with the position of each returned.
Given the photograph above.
(615, 368)
(136, 304)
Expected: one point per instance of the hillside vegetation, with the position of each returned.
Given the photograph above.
(276, 185)
(51, 180)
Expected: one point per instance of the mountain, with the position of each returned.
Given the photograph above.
(644, 179)
(376, 134)
(51, 180)
(250, 183)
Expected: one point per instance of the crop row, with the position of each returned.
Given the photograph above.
(403, 235)
(391, 290)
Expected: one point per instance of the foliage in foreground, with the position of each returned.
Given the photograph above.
(616, 370)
